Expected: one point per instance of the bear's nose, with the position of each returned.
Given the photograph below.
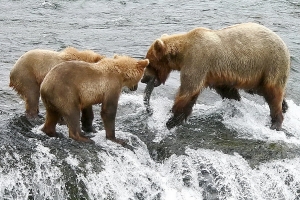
(146, 79)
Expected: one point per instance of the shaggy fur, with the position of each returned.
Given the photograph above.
(74, 86)
(29, 71)
(245, 56)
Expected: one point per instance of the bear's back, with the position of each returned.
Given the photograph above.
(35, 63)
(241, 42)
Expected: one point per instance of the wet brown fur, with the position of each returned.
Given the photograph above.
(29, 71)
(74, 86)
(245, 56)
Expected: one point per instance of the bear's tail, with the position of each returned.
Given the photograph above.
(11, 83)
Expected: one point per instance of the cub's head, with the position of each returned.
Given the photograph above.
(131, 69)
(71, 53)
(164, 57)
(91, 56)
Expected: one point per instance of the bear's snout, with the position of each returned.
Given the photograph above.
(146, 79)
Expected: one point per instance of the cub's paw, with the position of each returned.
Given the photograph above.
(89, 129)
(81, 138)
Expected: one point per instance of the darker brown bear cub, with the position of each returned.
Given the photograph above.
(246, 56)
(75, 85)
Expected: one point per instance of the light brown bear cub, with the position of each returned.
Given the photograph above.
(246, 56)
(30, 69)
(72, 86)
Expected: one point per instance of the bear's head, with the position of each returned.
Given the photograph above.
(71, 53)
(131, 69)
(164, 56)
(91, 56)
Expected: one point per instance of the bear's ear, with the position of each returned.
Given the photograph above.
(159, 48)
(116, 56)
(143, 63)
(164, 35)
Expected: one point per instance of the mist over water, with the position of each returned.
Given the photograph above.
(224, 151)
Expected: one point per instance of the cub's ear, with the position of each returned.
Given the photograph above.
(159, 48)
(116, 56)
(143, 63)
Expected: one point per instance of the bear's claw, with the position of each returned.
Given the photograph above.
(175, 120)
(276, 126)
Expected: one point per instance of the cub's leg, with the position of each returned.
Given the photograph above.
(284, 106)
(108, 115)
(228, 92)
(274, 97)
(73, 123)
(31, 94)
(87, 118)
(51, 120)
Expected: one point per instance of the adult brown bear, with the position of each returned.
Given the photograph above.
(73, 86)
(246, 56)
(30, 69)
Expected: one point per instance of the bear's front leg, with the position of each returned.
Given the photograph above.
(182, 108)
(108, 115)
(51, 120)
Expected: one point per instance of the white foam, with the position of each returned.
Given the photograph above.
(157, 120)
(248, 118)
(43, 180)
(59, 128)
(47, 177)
(72, 160)
(252, 121)
(232, 177)
(126, 173)
(11, 177)
(198, 174)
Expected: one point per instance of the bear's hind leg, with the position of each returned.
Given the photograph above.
(87, 118)
(73, 123)
(228, 92)
(32, 101)
(31, 95)
(52, 118)
(274, 97)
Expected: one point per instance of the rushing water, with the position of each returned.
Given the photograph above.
(224, 151)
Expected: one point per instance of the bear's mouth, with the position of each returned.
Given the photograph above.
(151, 75)
(151, 80)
